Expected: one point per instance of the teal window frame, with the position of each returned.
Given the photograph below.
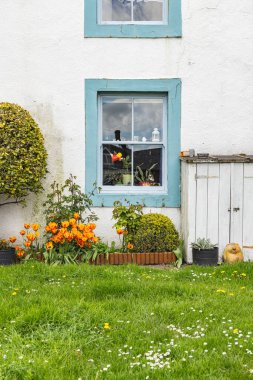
(172, 88)
(172, 27)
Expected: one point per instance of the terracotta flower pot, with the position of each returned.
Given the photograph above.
(145, 184)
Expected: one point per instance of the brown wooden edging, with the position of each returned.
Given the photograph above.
(156, 258)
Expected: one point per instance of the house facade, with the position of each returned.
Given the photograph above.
(120, 87)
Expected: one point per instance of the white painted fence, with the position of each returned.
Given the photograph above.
(217, 203)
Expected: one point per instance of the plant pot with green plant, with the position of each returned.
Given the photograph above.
(204, 252)
(127, 176)
(144, 177)
(7, 251)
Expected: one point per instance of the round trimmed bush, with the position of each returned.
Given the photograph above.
(22, 153)
(155, 233)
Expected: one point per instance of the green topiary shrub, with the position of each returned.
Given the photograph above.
(22, 154)
(156, 233)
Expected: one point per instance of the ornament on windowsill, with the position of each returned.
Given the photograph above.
(155, 135)
(116, 157)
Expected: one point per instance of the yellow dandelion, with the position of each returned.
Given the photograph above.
(14, 293)
(106, 326)
(235, 331)
(221, 291)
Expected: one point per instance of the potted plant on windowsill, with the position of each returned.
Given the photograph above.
(145, 178)
(204, 252)
(127, 176)
(7, 251)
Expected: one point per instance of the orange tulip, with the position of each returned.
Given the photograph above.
(37, 234)
(26, 226)
(72, 221)
(130, 246)
(81, 226)
(49, 245)
(31, 236)
(35, 226)
(51, 226)
(65, 224)
(27, 244)
(74, 231)
(93, 226)
(22, 232)
(20, 253)
(120, 231)
(12, 239)
(76, 215)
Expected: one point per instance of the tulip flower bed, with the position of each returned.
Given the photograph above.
(125, 322)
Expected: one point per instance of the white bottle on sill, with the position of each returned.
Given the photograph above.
(155, 135)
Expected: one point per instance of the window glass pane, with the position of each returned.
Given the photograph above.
(116, 10)
(148, 10)
(148, 115)
(117, 162)
(147, 165)
(116, 119)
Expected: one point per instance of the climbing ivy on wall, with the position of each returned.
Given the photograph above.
(23, 157)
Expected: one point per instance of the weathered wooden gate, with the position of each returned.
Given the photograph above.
(217, 202)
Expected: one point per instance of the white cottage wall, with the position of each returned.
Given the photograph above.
(44, 59)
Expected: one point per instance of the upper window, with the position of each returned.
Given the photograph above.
(133, 141)
(133, 18)
(132, 11)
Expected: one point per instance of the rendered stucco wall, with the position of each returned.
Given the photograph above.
(44, 60)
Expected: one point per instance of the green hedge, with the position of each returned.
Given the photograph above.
(23, 158)
(156, 233)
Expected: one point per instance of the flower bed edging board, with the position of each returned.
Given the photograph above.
(156, 258)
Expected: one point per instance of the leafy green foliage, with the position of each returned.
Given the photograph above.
(22, 154)
(179, 252)
(65, 200)
(155, 233)
(203, 244)
(100, 248)
(63, 255)
(127, 219)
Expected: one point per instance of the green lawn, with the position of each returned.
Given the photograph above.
(164, 324)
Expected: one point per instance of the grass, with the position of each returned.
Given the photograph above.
(195, 323)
